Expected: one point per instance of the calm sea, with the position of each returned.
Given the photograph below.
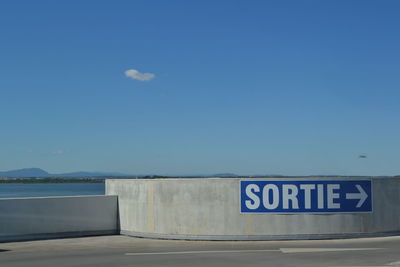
(50, 189)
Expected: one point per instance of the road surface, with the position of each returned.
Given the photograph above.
(120, 251)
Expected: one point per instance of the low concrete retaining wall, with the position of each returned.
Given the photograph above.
(209, 209)
(51, 217)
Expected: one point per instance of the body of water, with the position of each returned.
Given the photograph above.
(50, 189)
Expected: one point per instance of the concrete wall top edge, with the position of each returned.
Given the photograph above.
(58, 197)
(256, 178)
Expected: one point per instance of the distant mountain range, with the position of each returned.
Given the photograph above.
(39, 173)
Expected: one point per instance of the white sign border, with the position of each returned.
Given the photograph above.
(305, 213)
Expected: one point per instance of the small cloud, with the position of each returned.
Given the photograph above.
(58, 152)
(136, 75)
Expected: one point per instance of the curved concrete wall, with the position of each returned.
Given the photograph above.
(209, 209)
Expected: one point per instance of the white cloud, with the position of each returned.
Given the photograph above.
(58, 152)
(137, 75)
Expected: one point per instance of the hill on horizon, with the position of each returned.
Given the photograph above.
(40, 173)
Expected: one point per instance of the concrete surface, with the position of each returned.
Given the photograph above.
(126, 251)
(50, 217)
(208, 209)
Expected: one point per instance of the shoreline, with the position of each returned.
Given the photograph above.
(50, 180)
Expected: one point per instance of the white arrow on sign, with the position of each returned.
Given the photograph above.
(362, 196)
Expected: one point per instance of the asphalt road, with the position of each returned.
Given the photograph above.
(128, 251)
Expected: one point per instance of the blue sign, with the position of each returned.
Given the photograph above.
(297, 196)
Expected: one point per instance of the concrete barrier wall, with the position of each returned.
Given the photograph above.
(48, 217)
(209, 209)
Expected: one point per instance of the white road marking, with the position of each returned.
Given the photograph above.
(395, 263)
(200, 252)
(283, 250)
(311, 250)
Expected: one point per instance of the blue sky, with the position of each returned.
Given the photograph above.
(250, 87)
